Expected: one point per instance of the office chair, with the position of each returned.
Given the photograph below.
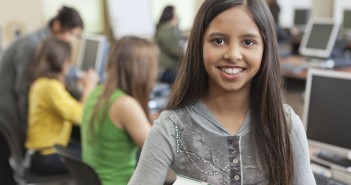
(81, 172)
(20, 166)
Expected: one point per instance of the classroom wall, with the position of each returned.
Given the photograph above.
(26, 18)
(339, 6)
(186, 10)
(286, 16)
(323, 8)
(35, 13)
(91, 12)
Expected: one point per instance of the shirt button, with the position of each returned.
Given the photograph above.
(236, 177)
(235, 160)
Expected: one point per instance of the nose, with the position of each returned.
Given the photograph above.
(233, 53)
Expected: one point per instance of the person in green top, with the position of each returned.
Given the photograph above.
(116, 119)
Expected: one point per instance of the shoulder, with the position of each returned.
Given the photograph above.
(32, 40)
(167, 117)
(293, 120)
(127, 102)
(125, 105)
(164, 30)
(172, 115)
(170, 120)
(48, 84)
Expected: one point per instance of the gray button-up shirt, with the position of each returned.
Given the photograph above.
(193, 143)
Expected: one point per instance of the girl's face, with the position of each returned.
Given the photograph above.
(232, 50)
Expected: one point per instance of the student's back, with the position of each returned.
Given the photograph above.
(112, 152)
(115, 118)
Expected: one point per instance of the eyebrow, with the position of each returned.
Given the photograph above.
(249, 35)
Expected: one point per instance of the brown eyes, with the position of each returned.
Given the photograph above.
(219, 41)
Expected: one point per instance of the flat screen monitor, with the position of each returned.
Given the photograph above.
(327, 110)
(346, 23)
(301, 16)
(319, 38)
(92, 53)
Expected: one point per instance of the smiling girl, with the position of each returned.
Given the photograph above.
(226, 122)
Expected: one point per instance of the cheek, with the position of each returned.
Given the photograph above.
(255, 58)
(209, 55)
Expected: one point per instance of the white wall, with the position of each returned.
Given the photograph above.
(186, 10)
(286, 16)
(323, 8)
(91, 12)
(339, 6)
(132, 17)
(27, 17)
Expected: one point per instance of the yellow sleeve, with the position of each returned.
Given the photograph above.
(62, 103)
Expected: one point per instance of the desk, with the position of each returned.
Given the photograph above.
(293, 67)
(328, 169)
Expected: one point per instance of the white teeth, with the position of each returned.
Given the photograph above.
(232, 71)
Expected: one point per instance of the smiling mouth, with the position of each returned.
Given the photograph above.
(231, 70)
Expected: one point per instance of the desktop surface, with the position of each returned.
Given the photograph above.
(294, 67)
(322, 180)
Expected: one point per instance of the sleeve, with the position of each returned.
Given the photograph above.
(63, 103)
(156, 155)
(22, 61)
(170, 42)
(302, 166)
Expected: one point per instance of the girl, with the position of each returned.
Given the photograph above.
(169, 39)
(52, 111)
(116, 116)
(226, 123)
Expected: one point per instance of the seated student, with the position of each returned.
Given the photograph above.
(116, 117)
(52, 110)
(14, 63)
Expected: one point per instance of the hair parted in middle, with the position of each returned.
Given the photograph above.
(269, 127)
(131, 67)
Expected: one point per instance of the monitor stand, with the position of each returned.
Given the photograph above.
(334, 158)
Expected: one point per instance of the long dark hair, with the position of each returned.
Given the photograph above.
(131, 65)
(269, 129)
(167, 15)
(50, 59)
(69, 19)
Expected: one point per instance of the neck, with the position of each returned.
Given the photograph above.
(229, 108)
(227, 104)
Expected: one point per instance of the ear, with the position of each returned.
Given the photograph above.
(56, 27)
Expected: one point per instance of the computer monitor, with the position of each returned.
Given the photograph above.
(301, 16)
(346, 23)
(93, 51)
(327, 111)
(319, 38)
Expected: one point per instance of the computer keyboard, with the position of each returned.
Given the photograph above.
(321, 180)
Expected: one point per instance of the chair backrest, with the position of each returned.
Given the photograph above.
(14, 137)
(81, 172)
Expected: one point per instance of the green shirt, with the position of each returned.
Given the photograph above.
(110, 150)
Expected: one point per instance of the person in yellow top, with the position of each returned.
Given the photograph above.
(52, 110)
